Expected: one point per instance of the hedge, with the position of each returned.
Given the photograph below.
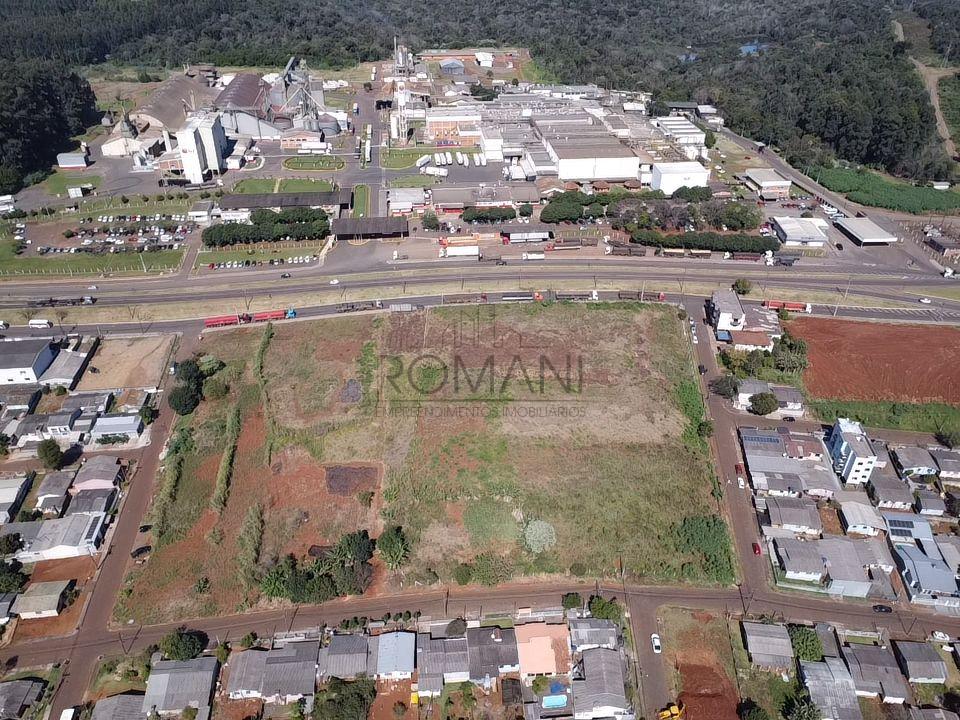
(238, 234)
(706, 241)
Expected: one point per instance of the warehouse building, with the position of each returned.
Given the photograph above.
(668, 177)
(864, 231)
(369, 228)
(22, 362)
(768, 184)
(800, 232)
(690, 139)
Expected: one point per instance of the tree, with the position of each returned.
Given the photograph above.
(541, 684)
(11, 576)
(456, 627)
(50, 454)
(10, 543)
(526, 209)
(742, 286)
(430, 221)
(726, 386)
(148, 414)
(605, 609)
(393, 547)
(353, 548)
(950, 438)
(806, 643)
(572, 601)
(189, 373)
(752, 711)
(214, 388)
(182, 645)
(399, 709)
(803, 709)
(763, 403)
(704, 428)
(4, 444)
(463, 574)
(183, 399)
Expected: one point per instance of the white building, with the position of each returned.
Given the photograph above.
(861, 519)
(593, 159)
(59, 538)
(668, 177)
(768, 184)
(726, 312)
(800, 232)
(202, 144)
(688, 138)
(22, 362)
(853, 457)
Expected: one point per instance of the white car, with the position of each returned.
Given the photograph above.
(925, 301)
(334, 282)
(655, 642)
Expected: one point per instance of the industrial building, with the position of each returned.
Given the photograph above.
(201, 146)
(864, 231)
(237, 208)
(768, 184)
(668, 177)
(800, 232)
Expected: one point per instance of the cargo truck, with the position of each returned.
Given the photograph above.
(423, 160)
(786, 305)
(533, 256)
(448, 157)
(461, 251)
(434, 171)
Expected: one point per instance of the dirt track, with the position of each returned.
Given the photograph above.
(931, 80)
(876, 361)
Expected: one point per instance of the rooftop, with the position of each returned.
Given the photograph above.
(256, 201)
(21, 353)
(768, 644)
(602, 685)
(174, 685)
(40, 597)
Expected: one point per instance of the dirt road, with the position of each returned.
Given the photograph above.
(931, 80)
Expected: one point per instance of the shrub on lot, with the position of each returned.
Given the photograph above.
(182, 645)
(539, 536)
(430, 221)
(50, 454)
(183, 399)
(214, 388)
(707, 537)
(605, 609)
(742, 287)
(456, 627)
(463, 574)
(572, 601)
(11, 577)
(394, 548)
(806, 643)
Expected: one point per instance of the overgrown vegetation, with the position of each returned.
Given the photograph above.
(248, 546)
(934, 418)
(708, 537)
(868, 188)
(344, 570)
(222, 489)
(705, 241)
(806, 643)
(342, 700)
(270, 226)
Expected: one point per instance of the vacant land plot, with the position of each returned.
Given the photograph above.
(875, 361)
(501, 438)
(698, 646)
(128, 363)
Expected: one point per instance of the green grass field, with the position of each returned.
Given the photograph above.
(314, 163)
(402, 158)
(262, 252)
(305, 185)
(88, 264)
(361, 200)
(58, 183)
(250, 186)
(928, 418)
(870, 188)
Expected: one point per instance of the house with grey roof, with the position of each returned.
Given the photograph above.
(949, 547)
(88, 502)
(799, 560)
(932, 714)
(282, 675)
(929, 502)
(441, 661)
(58, 538)
(492, 652)
(245, 674)
(920, 662)
(52, 492)
(6, 603)
(13, 491)
(344, 657)
(888, 491)
(768, 646)
(948, 464)
(875, 673)
(913, 461)
(174, 685)
(846, 575)
(18, 696)
(588, 633)
(798, 515)
(112, 424)
(598, 691)
(22, 362)
(41, 599)
(861, 519)
(831, 689)
(95, 402)
(100, 472)
(119, 707)
(392, 656)
(927, 577)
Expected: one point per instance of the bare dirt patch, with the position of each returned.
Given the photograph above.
(876, 361)
(351, 479)
(128, 363)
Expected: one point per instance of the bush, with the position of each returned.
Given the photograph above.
(763, 403)
(539, 536)
(742, 287)
(705, 429)
(604, 609)
(183, 399)
(463, 574)
(806, 643)
(708, 538)
(214, 388)
(692, 194)
(148, 414)
(525, 210)
(182, 645)
(572, 601)
(541, 685)
(430, 221)
(50, 454)
(456, 627)
(394, 548)
(726, 386)
(248, 640)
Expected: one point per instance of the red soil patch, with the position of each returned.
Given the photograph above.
(64, 624)
(226, 709)
(875, 361)
(80, 569)
(388, 694)
(351, 478)
(707, 693)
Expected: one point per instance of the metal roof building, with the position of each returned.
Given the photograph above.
(831, 689)
(587, 633)
(41, 599)
(16, 696)
(440, 661)
(492, 651)
(600, 693)
(344, 657)
(769, 646)
(392, 655)
(369, 227)
(864, 231)
(280, 201)
(920, 662)
(119, 707)
(875, 673)
(174, 685)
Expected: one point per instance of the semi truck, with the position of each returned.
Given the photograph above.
(533, 256)
(461, 251)
(246, 318)
(627, 250)
(787, 305)
(434, 171)
(423, 160)
(577, 296)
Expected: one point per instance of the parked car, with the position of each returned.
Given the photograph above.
(757, 550)
(284, 276)
(882, 609)
(655, 642)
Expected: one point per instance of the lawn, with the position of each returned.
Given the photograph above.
(361, 200)
(870, 188)
(305, 185)
(129, 263)
(263, 252)
(441, 423)
(401, 158)
(314, 163)
(255, 186)
(58, 183)
(412, 181)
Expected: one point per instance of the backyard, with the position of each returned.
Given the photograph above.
(473, 429)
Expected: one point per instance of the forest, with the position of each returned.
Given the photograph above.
(816, 77)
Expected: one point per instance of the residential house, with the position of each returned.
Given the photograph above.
(789, 400)
(831, 689)
(861, 519)
(175, 685)
(798, 515)
(441, 661)
(799, 560)
(290, 672)
(128, 424)
(920, 662)
(768, 646)
(119, 707)
(100, 472)
(885, 486)
(948, 465)
(875, 554)
(22, 362)
(60, 426)
(32, 429)
(913, 461)
(344, 657)
(927, 577)
(392, 656)
(930, 503)
(18, 696)
(52, 492)
(846, 575)
(726, 312)
(92, 402)
(543, 649)
(932, 714)
(875, 673)
(60, 538)
(949, 547)
(6, 605)
(17, 399)
(41, 600)
(13, 491)
(492, 652)
(589, 633)
(748, 388)
(599, 691)
(97, 502)
(792, 477)
(852, 455)
(245, 675)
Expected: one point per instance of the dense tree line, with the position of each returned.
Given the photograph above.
(944, 26)
(828, 73)
(41, 106)
(706, 241)
(269, 226)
